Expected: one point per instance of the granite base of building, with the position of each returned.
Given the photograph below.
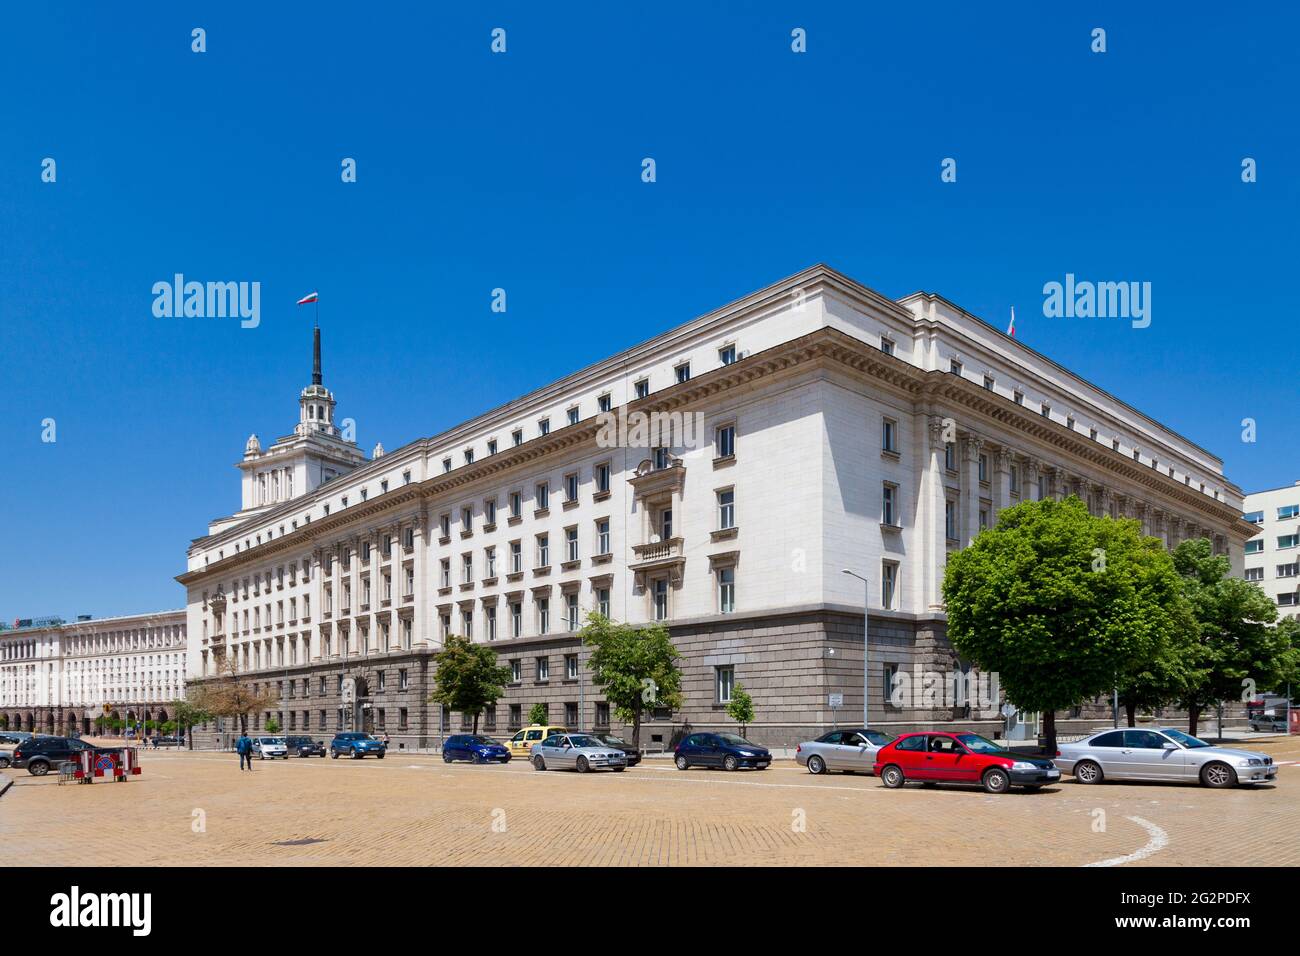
(803, 668)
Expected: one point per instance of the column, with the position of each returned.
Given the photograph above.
(420, 626)
(932, 502)
(972, 446)
(1002, 464)
(1033, 470)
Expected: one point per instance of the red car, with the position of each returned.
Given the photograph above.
(960, 758)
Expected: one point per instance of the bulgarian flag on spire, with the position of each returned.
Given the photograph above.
(1011, 329)
(309, 297)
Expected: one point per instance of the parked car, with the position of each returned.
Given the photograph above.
(270, 748)
(40, 755)
(960, 758)
(6, 758)
(522, 743)
(580, 752)
(1161, 754)
(14, 736)
(474, 747)
(729, 751)
(1269, 723)
(355, 744)
(852, 750)
(609, 740)
(305, 746)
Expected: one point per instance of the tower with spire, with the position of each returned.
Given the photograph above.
(317, 451)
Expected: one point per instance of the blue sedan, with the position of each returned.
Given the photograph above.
(356, 745)
(474, 747)
(727, 751)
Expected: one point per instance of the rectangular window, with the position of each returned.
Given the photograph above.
(887, 345)
(543, 615)
(604, 403)
(516, 619)
(601, 473)
(516, 671)
(1283, 571)
(602, 601)
(661, 599)
(889, 504)
(491, 623)
(602, 536)
(726, 440)
(726, 509)
(543, 668)
(727, 354)
(542, 496)
(602, 714)
(1287, 540)
(984, 467)
(517, 437)
(950, 519)
(1255, 546)
(490, 561)
(543, 426)
(642, 388)
(571, 487)
(492, 446)
(1287, 511)
(490, 511)
(889, 585)
(988, 382)
(543, 551)
(572, 414)
(571, 544)
(683, 372)
(516, 504)
(1254, 517)
(516, 557)
(724, 680)
(950, 456)
(726, 590)
(954, 367)
(571, 611)
(889, 435)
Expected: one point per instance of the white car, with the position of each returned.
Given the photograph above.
(270, 747)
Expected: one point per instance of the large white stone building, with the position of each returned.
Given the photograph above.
(838, 429)
(57, 676)
(1273, 555)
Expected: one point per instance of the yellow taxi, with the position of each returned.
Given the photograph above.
(521, 744)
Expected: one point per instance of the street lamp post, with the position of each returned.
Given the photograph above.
(866, 654)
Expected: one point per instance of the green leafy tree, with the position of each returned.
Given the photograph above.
(539, 714)
(468, 678)
(1241, 651)
(272, 725)
(1165, 678)
(741, 708)
(190, 712)
(634, 667)
(1060, 604)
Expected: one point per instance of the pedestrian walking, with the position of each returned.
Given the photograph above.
(244, 747)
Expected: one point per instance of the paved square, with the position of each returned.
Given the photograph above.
(198, 808)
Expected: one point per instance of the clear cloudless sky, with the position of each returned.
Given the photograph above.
(522, 171)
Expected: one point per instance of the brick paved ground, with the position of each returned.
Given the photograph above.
(416, 810)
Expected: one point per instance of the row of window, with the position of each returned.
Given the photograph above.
(1284, 542)
(1284, 513)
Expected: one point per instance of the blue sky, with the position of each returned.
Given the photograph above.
(522, 171)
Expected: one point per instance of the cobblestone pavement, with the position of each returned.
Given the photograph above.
(198, 808)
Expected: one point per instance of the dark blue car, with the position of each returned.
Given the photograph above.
(727, 751)
(474, 747)
(356, 745)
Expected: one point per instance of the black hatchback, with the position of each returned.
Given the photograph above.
(618, 743)
(40, 755)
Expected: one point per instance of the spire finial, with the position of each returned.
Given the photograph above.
(315, 364)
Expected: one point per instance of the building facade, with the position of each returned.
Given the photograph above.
(57, 676)
(1272, 558)
(718, 477)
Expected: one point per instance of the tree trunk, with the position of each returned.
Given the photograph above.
(636, 728)
(1049, 732)
(1131, 710)
(476, 723)
(1193, 716)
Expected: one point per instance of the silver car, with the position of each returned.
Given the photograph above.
(580, 752)
(852, 750)
(1161, 754)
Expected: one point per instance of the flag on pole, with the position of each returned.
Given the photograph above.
(310, 297)
(1011, 329)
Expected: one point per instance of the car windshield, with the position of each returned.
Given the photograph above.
(977, 744)
(615, 741)
(584, 741)
(735, 740)
(486, 741)
(1187, 740)
(877, 738)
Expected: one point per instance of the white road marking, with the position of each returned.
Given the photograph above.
(1159, 840)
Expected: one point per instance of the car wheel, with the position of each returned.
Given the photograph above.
(4, 763)
(382, 754)
(582, 765)
(478, 758)
(618, 769)
(446, 758)
(356, 754)
(996, 781)
(38, 768)
(816, 764)
(682, 763)
(1218, 776)
(334, 754)
(892, 777)
(539, 763)
(1087, 772)
(730, 762)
